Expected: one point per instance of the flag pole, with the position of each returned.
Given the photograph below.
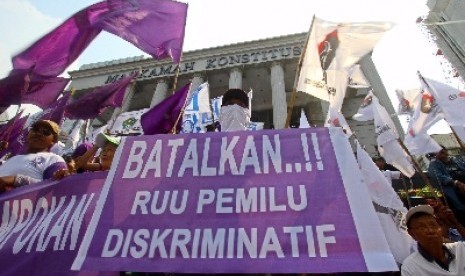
(173, 130)
(291, 104)
(417, 167)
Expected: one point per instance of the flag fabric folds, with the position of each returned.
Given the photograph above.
(197, 114)
(387, 140)
(388, 206)
(54, 52)
(93, 103)
(365, 111)
(55, 112)
(332, 48)
(451, 100)
(22, 86)
(420, 143)
(154, 26)
(11, 125)
(17, 137)
(161, 119)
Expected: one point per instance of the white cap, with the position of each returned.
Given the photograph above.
(427, 209)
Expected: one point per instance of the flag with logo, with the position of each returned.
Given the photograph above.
(332, 48)
(427, 111)
(365, 111)
(451, 100)
(408, 100)
(197, 114)
(128, 122)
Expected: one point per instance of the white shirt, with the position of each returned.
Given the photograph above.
(416, 264)
(38, 166)
(390, 175)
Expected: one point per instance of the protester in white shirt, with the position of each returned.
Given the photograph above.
(38, 163)
(434, 257)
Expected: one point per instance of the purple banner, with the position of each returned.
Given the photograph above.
(243, 202)
(43, 225)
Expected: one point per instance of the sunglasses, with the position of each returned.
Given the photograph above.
(41, 130)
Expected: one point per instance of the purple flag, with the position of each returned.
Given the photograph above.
(17, 137)
(56, 111)
(161, 118)
(54, 52)
(13, 123)
(93, 103)
(154, 26)
(22, 86)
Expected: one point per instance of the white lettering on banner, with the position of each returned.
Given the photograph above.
(207, 243)
(34, 226)
(233, 159)
(223, 200)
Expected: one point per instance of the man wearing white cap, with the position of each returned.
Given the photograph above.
(433, 256)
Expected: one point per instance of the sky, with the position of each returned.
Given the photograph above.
(212, 23)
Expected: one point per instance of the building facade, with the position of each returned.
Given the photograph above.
(446, 21)
(266, 66)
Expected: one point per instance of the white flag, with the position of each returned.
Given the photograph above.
(250, 95)
(332, 48)
(395, 155)
(389, 208)
(384, 126)
(93, 132)
(200, 99)
(336, 119)
(128, 122)
(365, 111)
(427, 112)
(420, 143)
(450, 99)
(357, 79)
(303, 120)
(216, 106)
(408, 100)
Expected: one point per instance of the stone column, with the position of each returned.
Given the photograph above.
(278, 93)
(197, 80)
(235, 78)
(160, 93)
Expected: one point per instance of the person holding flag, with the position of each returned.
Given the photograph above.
(38, 163)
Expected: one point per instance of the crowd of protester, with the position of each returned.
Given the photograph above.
(437, 226)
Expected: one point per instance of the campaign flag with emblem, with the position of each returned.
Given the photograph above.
(165, 116)
(451, 100)
(365, 111)
(332, 49)
(427, 111)
(93, 103)
(197, 113)
(128, 122)
(408, 101)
